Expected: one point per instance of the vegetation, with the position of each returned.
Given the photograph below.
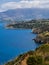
(38, 57)
(41, 55)
(35, 60)
(38, 24)
(42, 37)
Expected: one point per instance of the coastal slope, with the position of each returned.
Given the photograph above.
(38, 57)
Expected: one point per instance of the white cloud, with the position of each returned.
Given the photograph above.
(25, 4)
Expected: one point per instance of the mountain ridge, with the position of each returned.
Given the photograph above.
(24, 14)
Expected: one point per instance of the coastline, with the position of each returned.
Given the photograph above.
(42, 34)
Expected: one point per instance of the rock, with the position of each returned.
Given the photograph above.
(36, 30)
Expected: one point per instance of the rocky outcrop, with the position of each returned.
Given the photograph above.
(36, 30)
(38, 41)
(42, 37)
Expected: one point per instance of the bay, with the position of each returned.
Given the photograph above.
(14, 42)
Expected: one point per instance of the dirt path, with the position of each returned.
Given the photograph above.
(24, 61)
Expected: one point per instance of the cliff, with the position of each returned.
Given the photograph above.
(42, 37)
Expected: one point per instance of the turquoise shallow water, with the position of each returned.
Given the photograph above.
(14, 42)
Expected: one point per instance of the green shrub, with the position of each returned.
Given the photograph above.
(35, 60)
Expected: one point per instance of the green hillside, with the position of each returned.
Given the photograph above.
(38, 57)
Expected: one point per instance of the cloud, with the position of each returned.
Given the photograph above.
(25, 4)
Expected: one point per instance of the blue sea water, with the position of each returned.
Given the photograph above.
(14, 42)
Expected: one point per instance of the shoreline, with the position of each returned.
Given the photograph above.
(42, 36)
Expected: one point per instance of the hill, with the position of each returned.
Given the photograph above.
(25, 14)
(38, 57)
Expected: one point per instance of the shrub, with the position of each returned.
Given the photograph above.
(35, 60)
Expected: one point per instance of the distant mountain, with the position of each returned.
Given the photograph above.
(24, 14)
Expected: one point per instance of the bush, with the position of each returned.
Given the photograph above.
(35, 60)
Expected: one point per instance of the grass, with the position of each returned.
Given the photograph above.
(39, 57)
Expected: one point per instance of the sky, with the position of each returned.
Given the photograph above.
(14, 4)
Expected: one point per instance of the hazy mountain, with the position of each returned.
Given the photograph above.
(24, 14)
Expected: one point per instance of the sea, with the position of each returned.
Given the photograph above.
(14, 42)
